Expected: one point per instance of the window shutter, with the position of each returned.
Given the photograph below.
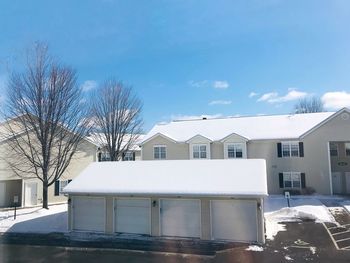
(133, 156)
(303, 183)
(57, 188)
(123, 156)
(99, 157)
(279, 149)
(301, 149)
(281, 179)
(69, 180)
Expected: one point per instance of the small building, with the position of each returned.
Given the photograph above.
(204, 199)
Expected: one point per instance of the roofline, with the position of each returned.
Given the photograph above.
(148, 194)
(187, 141)
(156, 135)
(223, 139)
(324, 122)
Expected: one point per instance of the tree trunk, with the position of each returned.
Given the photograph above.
(45, 199)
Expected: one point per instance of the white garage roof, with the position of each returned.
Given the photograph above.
(290, 126)
(245, 177)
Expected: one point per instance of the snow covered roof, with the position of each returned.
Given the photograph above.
(99, 139)
(244, 177)
(253, 128)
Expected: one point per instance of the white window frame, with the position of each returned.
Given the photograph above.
(289, 145)
(241, 144)
(347, 148)
(62, 184)
(160, 157)
(207, 150)
(285, 174)
(337, 149)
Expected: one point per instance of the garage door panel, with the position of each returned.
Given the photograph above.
(89, 214)
(234, 220)
(132, 216)
(180, 218)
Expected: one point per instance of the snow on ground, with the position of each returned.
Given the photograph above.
(255, 248)
(302, 208)
(35, 219)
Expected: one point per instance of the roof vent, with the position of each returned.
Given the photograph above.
(204, 118)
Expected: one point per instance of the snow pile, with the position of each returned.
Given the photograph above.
(35, 219)
(302, 208)
(255, 248)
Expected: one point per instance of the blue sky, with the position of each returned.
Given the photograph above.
(188, 58)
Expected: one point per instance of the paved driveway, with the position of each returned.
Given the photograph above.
(301, 242)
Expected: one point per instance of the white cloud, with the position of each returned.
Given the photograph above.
(253, 94)
(198, 84)
(268, 96)
(89, 85)
(336, 100)
(220, 102)
(221, 84)
(195, 117)
(273, 97)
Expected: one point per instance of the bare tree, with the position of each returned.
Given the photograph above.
(309, 105)
(45, 117)
(117, 118)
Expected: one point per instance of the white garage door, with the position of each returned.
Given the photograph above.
(180, 217)
(89, 213)
(133, 215)
(234, 220)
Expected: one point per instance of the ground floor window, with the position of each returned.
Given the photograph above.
(60, 185)
(292, 180)
(128, 156)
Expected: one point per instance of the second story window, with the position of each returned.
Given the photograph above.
(159, 152)
(333, 149)
(199, 151)
(347, 149)
(290, 149)
(235, 150)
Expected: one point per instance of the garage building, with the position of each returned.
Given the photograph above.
(206, 199)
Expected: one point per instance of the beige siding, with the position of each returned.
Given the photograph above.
(85, 155)
(175, 151)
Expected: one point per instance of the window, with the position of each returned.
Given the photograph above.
(105, 157)
(199, 151)
(235, 150)
(347, 149)
(159, 152)
(128, 156)
(333, 149)
(290, 149)
(291, 180)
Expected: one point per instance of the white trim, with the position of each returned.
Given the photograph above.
(198, 136)
(208, 150)
(140, 198)
(330, 169)
(226, 138)
(182, 199)
(104, 214)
